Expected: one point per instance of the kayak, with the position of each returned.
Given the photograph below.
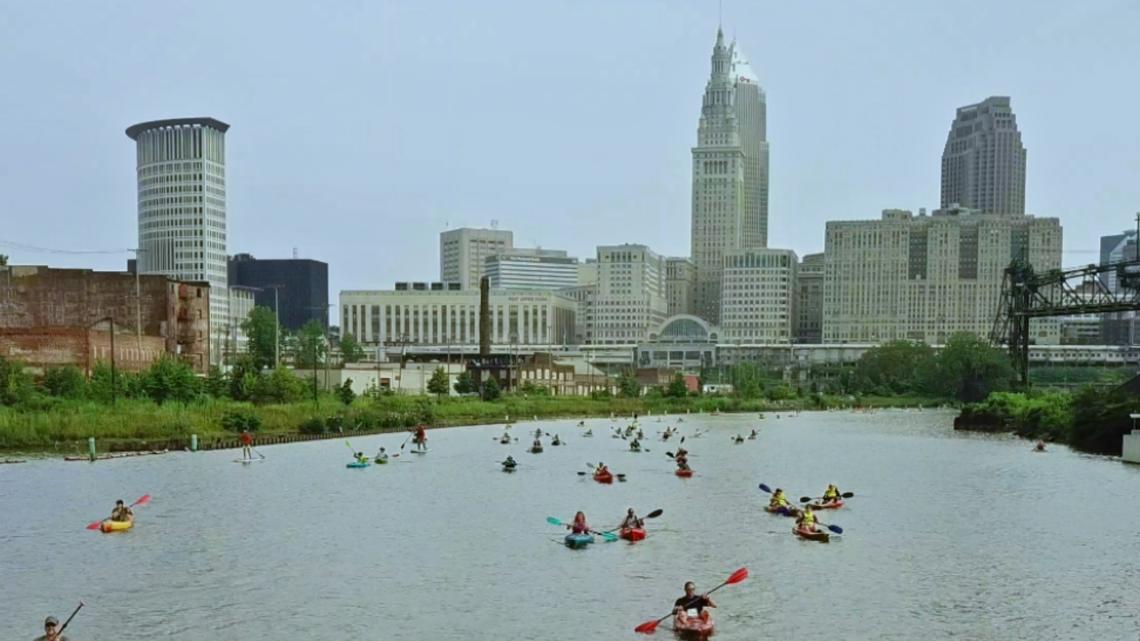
(504, 441)
(684, 473)
(578, 541)
(606, 477)
(116, 526)
(248, 460)
(357, 464)
(693, 627)
(509, 468)
(556, 443)
(783, 511)
(634, 449)
(812, 535)
(827, 506)
(536, 450)
(632, 533)
(381, 461)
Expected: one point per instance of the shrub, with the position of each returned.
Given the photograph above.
(240, 419)
(313, 426)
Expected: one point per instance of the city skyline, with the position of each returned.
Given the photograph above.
(832, 105)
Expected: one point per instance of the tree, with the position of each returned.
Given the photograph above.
(677, 387)
(15, 384)
(64, 382)
(464, 383)
(3, 260)
(345, 393)
(100, 386)
(628, 386)
(350, 349)
(896, 367)
(216, 385)
(746, 379)
(311, 347)
(261, 329)
(491, 390)
(438, 383)
(276, 386)
(969, 368)
(169, 379)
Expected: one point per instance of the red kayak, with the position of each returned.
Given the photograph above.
(827, 506)
(632, 533)
(812, 535)
(604, 477)
(683, 473)
(693, 627)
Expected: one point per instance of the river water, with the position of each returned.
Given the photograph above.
(951, 536)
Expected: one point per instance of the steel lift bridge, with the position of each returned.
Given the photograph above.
(1071, 292)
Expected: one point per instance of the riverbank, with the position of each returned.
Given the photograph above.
(1091, 420)
(138, 424)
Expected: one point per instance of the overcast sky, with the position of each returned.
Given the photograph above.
(360, 130)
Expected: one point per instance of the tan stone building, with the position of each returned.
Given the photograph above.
(927, 277)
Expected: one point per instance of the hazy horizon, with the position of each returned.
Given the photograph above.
(361, 132)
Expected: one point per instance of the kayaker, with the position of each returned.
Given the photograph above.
(538, 434)
(510, 462)
(692, 601)
(778, 499)
(640, 434)
(121, 513)
(382, 455)
(361, 458)
(631, 520)
(579, 526)
(556, 440)
(537, 445)
(806, 520)
(831, 494)
(246, 443)
(1040, 446)
(601, 470)
(635, 445)
(51, 631)
(682, 458)
(754, 434)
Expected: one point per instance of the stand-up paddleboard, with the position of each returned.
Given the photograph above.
(248, 460)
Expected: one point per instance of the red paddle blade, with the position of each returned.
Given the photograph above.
(143, 500)
(94, 526)
(649, 627)
(737, 576)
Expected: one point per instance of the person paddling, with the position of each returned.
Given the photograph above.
(382, 456)
(421, 437)
(579, 526)
(601, 470)
(806, 520)
(361, 458)
(537, 434)
(778, 500)
(631, 520)
(122, 513)
(510, 462)
(682, 458)
(692, 601)
(246, 443)
(51, 631)
(831, 494)
(635, 445)
(753, 435)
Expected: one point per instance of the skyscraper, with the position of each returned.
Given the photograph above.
(181, 167)
(463, 253)
(983, 163)
(730, 172)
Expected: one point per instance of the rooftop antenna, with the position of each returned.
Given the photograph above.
(294, 253)
(719, 13)
(494, 223)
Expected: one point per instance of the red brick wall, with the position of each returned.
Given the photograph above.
(43, 348)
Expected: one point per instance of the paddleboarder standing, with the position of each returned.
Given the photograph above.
(51, 631)
(246, 443)
(421, 437)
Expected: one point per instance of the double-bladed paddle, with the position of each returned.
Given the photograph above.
(143, 500)
(649, 627)
(64, 626)
(834, 528)
(805, 499)
(608, 536)
(652, 515)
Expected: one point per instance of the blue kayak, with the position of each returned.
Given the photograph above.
(356, 464)
(578, 541)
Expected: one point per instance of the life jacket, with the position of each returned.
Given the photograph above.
(807, 521)
(779, 500)
(831, 493)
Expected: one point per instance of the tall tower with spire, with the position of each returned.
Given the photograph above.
(730, 172)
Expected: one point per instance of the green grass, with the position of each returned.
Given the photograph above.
(66, 425)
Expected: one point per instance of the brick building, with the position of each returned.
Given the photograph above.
(51, 317)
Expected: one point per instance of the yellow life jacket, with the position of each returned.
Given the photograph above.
(831, 493)
(807, 521)
(779, 501)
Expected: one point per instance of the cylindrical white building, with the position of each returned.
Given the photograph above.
(181, 166)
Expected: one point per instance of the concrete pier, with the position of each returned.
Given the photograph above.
(1131, 450)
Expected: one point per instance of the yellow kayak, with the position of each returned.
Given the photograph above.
(116, 526)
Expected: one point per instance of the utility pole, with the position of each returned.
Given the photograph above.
(138, 297)
(276, 328)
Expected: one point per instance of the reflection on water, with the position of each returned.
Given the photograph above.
(951, 536)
